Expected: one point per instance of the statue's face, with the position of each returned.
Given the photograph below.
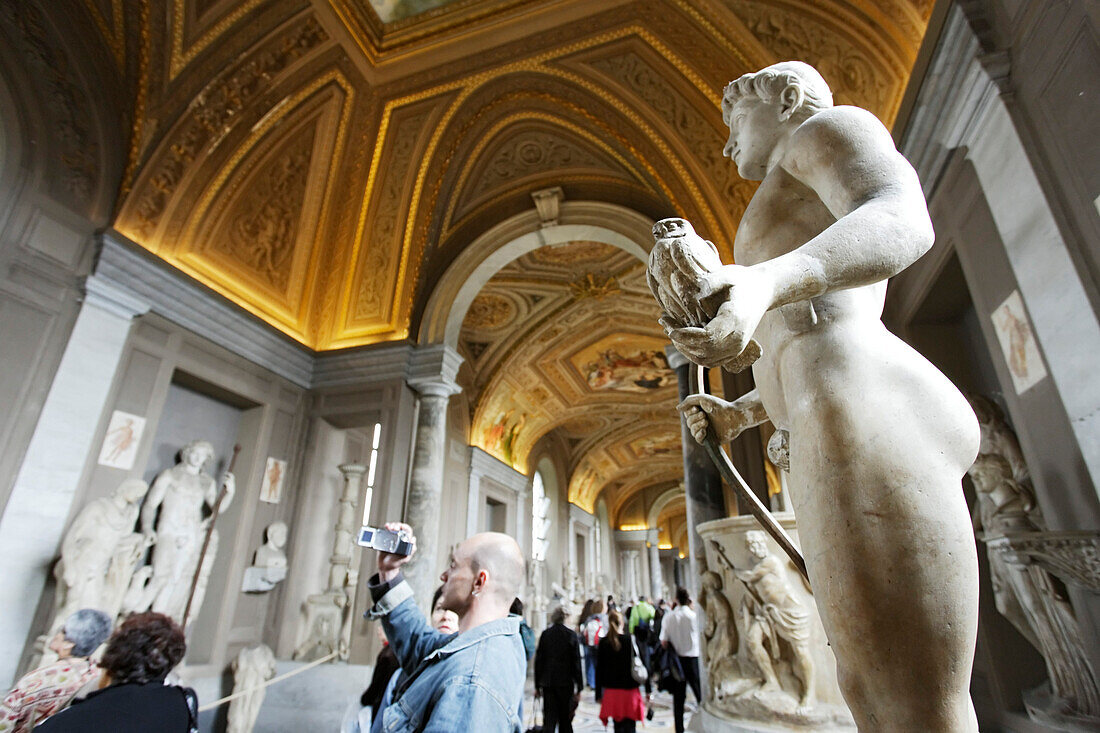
(754, 132)
(758, 547)
(276, 533)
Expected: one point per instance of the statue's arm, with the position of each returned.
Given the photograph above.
(848, 159)
(153, 500)
(728, 419)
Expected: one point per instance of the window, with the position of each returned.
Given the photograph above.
(540, 524)
(372, 465)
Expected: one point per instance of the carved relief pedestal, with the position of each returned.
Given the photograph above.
(769, 666)
(1029, 569)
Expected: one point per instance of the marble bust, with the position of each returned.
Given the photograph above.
(269, 563)
(878, 439)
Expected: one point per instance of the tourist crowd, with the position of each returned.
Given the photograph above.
(467, 662)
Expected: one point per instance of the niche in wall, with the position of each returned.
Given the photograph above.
(197, 410)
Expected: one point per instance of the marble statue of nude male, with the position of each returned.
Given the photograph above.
(879, 440)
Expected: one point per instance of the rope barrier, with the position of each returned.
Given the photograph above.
(273, 680)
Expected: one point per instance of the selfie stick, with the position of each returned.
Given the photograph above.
(741, 488)
(206, 539)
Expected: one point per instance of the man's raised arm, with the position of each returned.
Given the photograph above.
(848, 159)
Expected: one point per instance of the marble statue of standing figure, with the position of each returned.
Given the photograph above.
(251, 669)
(879, 439)
(100, 552)
(180, 493)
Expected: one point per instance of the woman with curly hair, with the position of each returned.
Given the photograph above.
(133, 697)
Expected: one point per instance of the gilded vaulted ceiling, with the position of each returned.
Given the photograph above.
(321, 163)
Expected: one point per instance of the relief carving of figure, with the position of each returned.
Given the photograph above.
(181, 494)
(770, 613)
(719, 631)
(879, 439)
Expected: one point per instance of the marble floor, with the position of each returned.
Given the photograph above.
(587, 719)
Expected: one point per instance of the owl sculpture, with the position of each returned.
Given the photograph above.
(685, 276)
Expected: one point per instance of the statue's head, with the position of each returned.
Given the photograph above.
(757, 542)
(756, 107)
(132, 490)
(276, 533)
(196, 453)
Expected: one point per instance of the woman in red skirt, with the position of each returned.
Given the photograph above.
(616, 689)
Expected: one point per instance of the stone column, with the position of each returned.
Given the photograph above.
(426, 486)
(702, 484)
(344, 539)
(571, 582)
(42, 496)
(654, 570)
(432, 372)
(630, 573)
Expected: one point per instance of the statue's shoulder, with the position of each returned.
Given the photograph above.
(842, 120)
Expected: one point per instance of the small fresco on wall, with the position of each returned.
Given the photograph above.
(1021, 352)
(121, 442)
(271, 488)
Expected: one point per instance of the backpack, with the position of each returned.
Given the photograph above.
(528, 637)
(593, 631)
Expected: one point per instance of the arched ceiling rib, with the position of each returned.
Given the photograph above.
(412, 124)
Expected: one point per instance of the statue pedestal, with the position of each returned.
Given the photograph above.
(768, 664)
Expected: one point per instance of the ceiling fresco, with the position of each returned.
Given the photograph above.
(321, 163)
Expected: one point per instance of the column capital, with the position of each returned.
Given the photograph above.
(350, 470)
(433, 368)
(113, 298)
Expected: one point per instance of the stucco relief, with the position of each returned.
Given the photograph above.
(857, 77)
(214, 110)
(68, 111)
(263, 224)
(383, 239)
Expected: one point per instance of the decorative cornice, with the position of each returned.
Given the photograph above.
(123, 266)
(953, 101)
(102, 293)
(485, 465)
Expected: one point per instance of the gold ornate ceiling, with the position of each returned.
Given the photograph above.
(322, 162)
(321, 167)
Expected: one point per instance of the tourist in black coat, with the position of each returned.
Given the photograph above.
(138, 658)
(615, 686)
(558, 677)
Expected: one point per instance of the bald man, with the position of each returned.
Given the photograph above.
(453, 680)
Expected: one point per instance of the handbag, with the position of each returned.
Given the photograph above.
(536, 727)
(637, 667)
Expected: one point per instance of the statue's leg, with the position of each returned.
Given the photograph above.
(804, 669)
(893, 566)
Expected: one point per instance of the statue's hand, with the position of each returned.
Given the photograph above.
(149, 538)
(726, 340)
(389, 563)
(229, 481)
(702, 411)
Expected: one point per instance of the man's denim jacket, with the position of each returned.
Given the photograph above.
(471, 681)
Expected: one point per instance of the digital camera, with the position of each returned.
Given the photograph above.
(384, 540)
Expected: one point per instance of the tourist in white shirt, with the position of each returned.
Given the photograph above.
(680, 629)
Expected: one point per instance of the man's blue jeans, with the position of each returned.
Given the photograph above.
(590, 665)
